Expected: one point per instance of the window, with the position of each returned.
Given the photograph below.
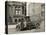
(43, 10)
(18, 10)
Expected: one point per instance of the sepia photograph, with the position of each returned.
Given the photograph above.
(24, 17)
